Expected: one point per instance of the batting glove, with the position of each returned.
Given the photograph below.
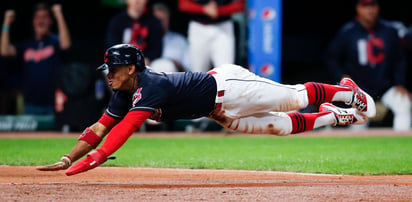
(92, 160)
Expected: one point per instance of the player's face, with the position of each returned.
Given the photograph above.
(119, 78)
(368, 13)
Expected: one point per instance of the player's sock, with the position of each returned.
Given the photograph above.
(319, 93)
(302, 122)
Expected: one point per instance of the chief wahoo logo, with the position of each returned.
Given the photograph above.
(137, 96)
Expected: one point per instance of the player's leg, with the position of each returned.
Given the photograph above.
(319, 93)
(400, 105)
(223, 44)
(281, 123)
(247, 93)
(198, 36)
(347, 92)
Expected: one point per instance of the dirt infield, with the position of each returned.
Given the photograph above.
(23, 183)
(147, 184)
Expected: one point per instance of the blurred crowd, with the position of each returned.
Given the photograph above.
(42, 75)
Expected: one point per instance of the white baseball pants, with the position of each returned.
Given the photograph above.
(252, 104)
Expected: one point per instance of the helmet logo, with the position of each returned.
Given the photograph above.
(124, 54)
(105, 56)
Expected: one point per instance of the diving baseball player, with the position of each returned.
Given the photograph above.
(231, 95)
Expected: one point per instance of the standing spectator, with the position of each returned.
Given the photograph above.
(211, 31)
(137, 26)
(41, 57)
(175, 55)
(369, 50)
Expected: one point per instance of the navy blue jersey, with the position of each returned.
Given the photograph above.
(148, 36)
(373, 58)
(41, 60)
(171, 96)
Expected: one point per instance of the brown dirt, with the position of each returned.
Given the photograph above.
(23, 183)
(149, 184)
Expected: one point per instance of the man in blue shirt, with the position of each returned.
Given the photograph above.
(369, 51)
(40, 56)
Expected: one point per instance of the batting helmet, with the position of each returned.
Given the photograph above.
(123, 54)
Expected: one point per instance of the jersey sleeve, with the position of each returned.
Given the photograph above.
(190, 6)
(232, 8)
(108, 121)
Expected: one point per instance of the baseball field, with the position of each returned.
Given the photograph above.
(338, 165)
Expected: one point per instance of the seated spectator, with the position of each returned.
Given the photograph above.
(137, 26)
(175, 55)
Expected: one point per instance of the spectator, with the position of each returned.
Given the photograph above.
(41, 56)
(137, 26)
(211, 31)
(408, 46)
(211, 36)
(369, 50)
(175, 55)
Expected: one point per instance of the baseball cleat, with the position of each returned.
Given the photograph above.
(361, 100)
(344, 116)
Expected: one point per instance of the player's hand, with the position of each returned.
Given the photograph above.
(53, 167)
(92, 160)
(9, 17)
(211, 10)
(63, 164)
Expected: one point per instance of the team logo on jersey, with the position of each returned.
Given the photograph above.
(137, 96)
(268, 14)
(38, 55)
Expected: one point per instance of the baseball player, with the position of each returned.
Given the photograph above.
(229, 94)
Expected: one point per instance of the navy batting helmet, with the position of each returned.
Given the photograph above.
(123, 54)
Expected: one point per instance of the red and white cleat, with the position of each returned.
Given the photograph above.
(361, 100)
(344, 116)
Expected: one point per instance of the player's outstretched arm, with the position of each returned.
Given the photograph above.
(88, 140)
(116, 138)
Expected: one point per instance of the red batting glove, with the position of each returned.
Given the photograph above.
(92, 160)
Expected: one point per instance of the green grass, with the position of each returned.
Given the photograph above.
(336, 155)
